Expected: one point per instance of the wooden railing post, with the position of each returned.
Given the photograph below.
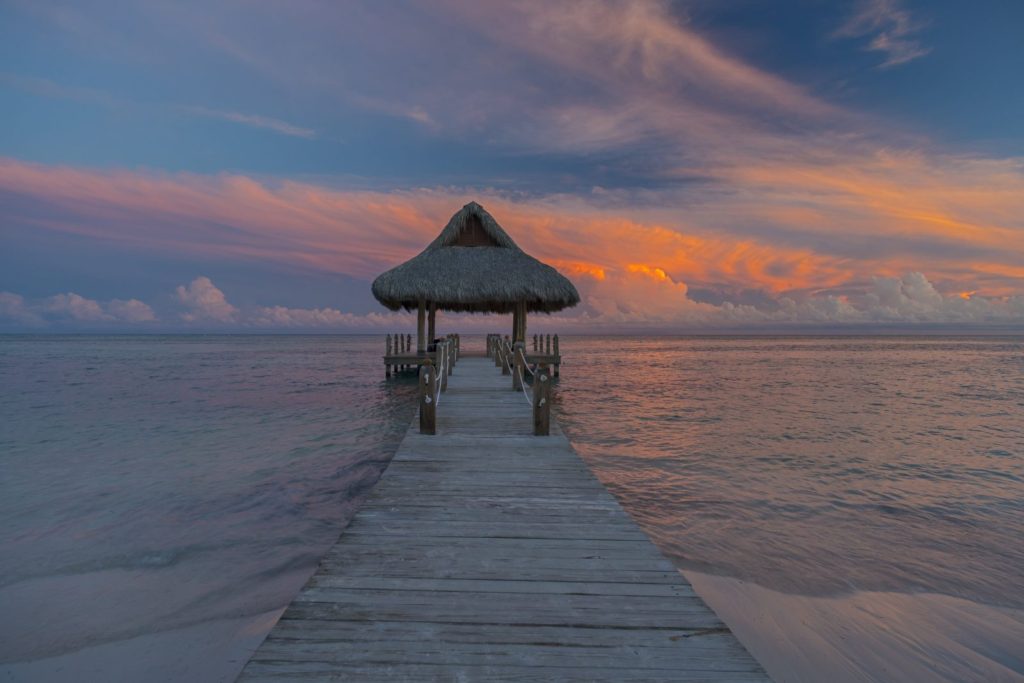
(428, 409)
(548, 351)
(387, 366)
(496, 343)
(458, 346)
(505, 358)
(542, 401)
(451, 355)
(535, 343)
(517, 363)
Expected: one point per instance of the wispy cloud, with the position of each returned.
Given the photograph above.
(890, 28)
(47, 88)
(253, 121)
(753, 182)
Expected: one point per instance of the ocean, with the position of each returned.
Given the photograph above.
(853, 507)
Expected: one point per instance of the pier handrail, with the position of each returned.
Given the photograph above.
(399, 354)
(513, 360)
(433, 381)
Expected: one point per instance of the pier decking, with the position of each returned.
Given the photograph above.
(487, 554)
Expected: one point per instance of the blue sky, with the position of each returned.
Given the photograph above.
(689, 165)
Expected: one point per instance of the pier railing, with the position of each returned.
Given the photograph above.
(400, 354)
(540, 367)
(435, 369)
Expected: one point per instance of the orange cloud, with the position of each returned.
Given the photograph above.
(361, 233)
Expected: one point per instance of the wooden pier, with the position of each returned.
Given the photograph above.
(485, 553)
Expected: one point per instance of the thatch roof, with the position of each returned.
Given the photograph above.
(474, 265)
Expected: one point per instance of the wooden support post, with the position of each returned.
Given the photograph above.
(542, 401)
(428, 409)
(432, 322)
(421, 333)
(506, 360)
(517, 366)
(515, 323)
(558, 357)
(439, 352)
(521, 334)
(451, 354)
(387, 366)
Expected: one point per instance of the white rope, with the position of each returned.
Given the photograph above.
(522, 385)
(526, 365)
(437, 379)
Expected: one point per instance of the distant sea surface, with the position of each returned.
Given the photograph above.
(853, 507)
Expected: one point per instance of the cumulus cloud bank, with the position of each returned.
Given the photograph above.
(656, 299)
(635, 298)
(204, 302)
(71, 307)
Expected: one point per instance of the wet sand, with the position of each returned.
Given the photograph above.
(870, 636)
(213, 652)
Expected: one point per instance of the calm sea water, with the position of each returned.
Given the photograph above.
(815, 465)
(158, 493)
(153, 484)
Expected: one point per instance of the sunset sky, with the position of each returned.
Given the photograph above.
(702, 165)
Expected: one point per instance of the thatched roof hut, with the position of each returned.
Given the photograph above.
(474, 266)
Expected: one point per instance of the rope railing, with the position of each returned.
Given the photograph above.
(522, 385)
(400, 353)
(433, 380)
(513, 361)
(526, 363)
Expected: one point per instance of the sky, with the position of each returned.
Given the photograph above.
(690, 166)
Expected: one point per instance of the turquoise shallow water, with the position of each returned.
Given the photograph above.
(154, 486)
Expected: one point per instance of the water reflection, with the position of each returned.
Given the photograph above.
(813, 465)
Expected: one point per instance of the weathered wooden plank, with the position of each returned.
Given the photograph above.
(488, 554)
(701, 640)
(503, 654)
(401, 672)
(370, 583)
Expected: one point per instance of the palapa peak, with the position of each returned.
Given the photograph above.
(474, 266)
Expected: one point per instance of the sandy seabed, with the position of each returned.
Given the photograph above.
(212, 651)
(869, 636)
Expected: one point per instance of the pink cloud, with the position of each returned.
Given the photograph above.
(204, 302)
